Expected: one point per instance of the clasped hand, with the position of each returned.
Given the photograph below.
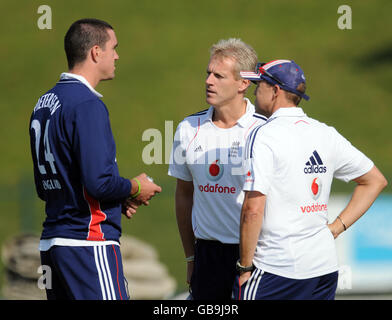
(148, 189)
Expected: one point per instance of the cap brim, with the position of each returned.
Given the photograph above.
(250, 75)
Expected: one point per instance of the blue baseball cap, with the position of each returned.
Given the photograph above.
(284, 73)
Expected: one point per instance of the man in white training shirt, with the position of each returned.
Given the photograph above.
(287, 248)
(207, 162)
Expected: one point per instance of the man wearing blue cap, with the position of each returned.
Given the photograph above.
(287, 248)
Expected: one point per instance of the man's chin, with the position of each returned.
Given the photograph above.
(261, 111)
(108, 78)
(210, 101)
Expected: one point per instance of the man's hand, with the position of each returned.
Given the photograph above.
(244, 277)
(129, 207)
(336, 228)
(148, 189)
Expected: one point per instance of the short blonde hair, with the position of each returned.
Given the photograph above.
(244, 55)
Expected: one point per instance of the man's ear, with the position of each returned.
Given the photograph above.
(95, 53)
(245, 84)
(276, 89)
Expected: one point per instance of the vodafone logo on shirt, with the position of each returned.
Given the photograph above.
(216, 188)
(214, 171)
(315, 191)
(315, 188)
(314, 208)
(249, 177)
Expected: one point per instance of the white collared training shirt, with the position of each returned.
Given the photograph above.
(212, 158)
(292, 159)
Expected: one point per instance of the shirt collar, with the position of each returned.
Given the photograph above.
(288, 112)
(243, 121)
(67, 75)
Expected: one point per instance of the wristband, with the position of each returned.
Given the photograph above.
(190, 259)
(344, 226)
(139, 188)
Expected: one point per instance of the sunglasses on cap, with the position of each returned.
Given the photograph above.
(260, 69)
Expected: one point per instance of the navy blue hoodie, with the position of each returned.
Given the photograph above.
(75, 168)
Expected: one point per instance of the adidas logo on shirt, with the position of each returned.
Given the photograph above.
(315, 164)
(198, 149)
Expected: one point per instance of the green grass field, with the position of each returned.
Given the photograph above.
(164, 51)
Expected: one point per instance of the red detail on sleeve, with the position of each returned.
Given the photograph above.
(96, 217)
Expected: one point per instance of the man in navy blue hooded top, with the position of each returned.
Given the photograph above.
(76, 173)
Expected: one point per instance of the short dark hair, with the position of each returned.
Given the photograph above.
(81, 36)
